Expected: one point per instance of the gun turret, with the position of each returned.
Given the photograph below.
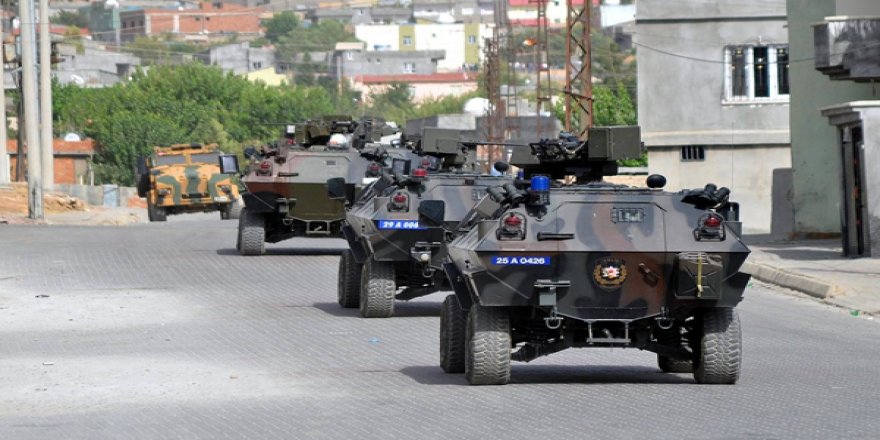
(442, 143)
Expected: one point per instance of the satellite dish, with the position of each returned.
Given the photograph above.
(78, 80)
(111, 4)
(72, 137)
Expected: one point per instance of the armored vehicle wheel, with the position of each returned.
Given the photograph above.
(718, 356)
(673, 337)
(155, 213)
(487, 357)
(252, 232)
(453, 328)
(377, 289)
(348, 288)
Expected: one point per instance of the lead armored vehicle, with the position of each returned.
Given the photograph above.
(538, 267)
(392, 255)
(285, 183)
(185, 178)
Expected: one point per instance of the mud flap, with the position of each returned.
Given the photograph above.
(357, 249)
(456, 281)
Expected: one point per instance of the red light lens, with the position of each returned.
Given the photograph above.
(513, 220)
(712, 221)
(399, 198)
(426, 163)
(374, 167)
(420, 172)
(265, 165)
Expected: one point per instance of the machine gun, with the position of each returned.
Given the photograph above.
(442, 144)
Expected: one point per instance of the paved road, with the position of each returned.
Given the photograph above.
(163, 331)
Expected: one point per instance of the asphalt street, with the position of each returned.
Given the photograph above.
(164, 331)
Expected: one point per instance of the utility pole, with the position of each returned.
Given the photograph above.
(4, 155)
(542, 68)
(578, 78)
(47, 153)
(29, 99)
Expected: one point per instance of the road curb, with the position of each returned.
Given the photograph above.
(801, 283)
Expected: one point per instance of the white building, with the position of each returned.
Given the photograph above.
(462, 42)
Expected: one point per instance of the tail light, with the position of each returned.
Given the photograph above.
(399, 202)
(710, 227)
(512, 227)
(419, 173)
(373, 169)
(265, 168)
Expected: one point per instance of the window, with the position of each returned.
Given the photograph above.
(349, 56)
(691, 153)
(472, 39)
(409, 67)
(257, 65)
(407, 41)
(756, 73)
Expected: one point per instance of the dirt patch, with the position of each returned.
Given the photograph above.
(14, 201)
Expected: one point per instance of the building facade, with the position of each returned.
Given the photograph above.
(814, 141)
(462, 43)
(713, 92)
(209, 20)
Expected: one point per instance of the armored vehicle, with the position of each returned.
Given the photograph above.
(186, 178)
(285, 183)
(392, 255)
(538, 267)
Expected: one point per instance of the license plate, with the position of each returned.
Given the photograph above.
(221, 199)
(521, 261)
(400, 224)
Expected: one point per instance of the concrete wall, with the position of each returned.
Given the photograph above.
(100, 195)
(750, 181)
(238, 58)
(814, 144)
(451, 38)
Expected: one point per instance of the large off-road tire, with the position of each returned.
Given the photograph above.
(487, 357)
(348, 287)
(377, 289)
(718, 357)
(252, 230)
(156, 213)
(235, 210)
(453, 336)
(674, 337)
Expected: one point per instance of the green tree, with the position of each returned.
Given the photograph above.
(280, 25)
(67, 18)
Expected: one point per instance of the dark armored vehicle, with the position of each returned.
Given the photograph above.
(285, 183)
(392, 254)
(538, 267)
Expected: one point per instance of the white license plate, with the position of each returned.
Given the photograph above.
(221, 199)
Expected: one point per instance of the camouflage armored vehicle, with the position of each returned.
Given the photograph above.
(186, 178)
(285, 183)
(391, 254)
(538, 267)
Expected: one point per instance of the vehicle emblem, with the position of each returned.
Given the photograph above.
(609, 273)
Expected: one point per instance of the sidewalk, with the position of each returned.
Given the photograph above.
(819, 269)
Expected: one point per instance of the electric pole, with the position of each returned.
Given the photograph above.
(578, 70)
(4, 155)
(47, 151)
(29, 99)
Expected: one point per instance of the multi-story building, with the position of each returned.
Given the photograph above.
(713, 95)
(238, 58)
(466, 11)
(461, 42)
(93, 66)
(351, 59)
(835, 120)
(202, 23)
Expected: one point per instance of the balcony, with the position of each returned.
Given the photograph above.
(847, 48)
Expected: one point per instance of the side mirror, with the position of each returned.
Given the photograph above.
(501, 167)
(432, 212)
(141, 165)
(336, 188)
(228, 164)
(395, 143)
(250, 152)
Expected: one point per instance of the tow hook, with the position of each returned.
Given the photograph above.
(554, 321)
(664, 321)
